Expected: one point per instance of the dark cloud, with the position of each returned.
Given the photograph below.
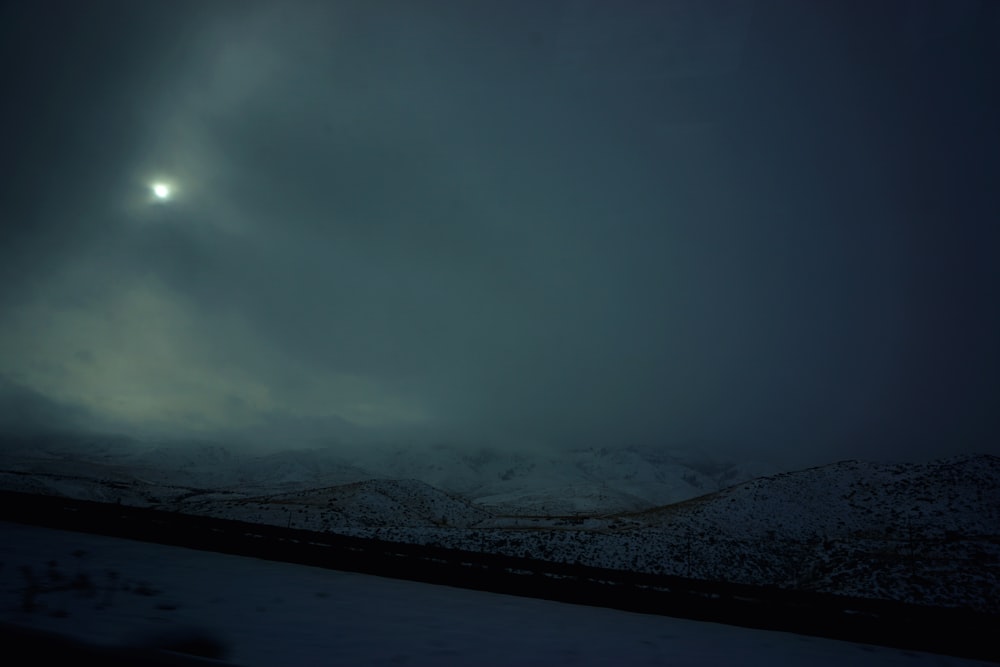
(755, 226)
(25, 412)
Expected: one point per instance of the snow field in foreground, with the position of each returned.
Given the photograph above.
(114, 591)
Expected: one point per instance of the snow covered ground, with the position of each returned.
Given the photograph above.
(114, 591)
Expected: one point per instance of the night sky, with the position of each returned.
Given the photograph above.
(764, 228)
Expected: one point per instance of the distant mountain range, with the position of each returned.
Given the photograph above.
(927, 533)
(586, 481)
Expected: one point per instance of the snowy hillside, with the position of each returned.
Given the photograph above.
(369, 504)
(927, 533)
(855, 499)
(595, 480)
(583, 481)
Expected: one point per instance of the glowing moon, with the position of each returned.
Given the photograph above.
(161, 191)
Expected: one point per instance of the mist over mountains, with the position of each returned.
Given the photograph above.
(525, 481)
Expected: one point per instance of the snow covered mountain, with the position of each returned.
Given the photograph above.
(583, 481)
(926, 533)
(370, 504)
(586, 481)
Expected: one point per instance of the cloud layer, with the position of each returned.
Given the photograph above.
(747, 227)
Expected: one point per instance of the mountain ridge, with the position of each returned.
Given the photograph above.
(927, 533)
